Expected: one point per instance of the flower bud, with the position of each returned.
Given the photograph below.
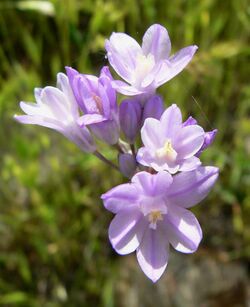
(154, 108)
(127, 164)
(130, 114)
(190, 121)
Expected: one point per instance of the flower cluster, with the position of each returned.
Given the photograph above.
(158, 151)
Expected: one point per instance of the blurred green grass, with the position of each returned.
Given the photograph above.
(54, 248)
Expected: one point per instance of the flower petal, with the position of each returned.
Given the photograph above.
(171, 121)
(189, 164)
(144, 156)
(125, 89)
(182, 229)
(122, 51)
(120, 197)
(188, 141)
(189, 188)
(56, 101)
(153, 185)
(153, 254)
(64, 86)
(40, 121)
(151, 134)
(172, 67)
(126, 230)
(88, 119)
(156, 41)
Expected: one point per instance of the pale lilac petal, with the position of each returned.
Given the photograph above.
(144, 156)
(171, 121)
(147, 157)
(182, 229)
(88, 119)
(35, 109)
(122, 51)
(37, 94)
(151, 133)
(156, 41)
(120, 197)
(175, 64)
(188, 141)
(40, 121)
(153, 185)
(189, 188)
(153, 254)
(56, 100)
(126, 230)
(64, 86)
(125, 88)
(189, 164)
(153, 107)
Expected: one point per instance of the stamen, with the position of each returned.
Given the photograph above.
(144, 64)
(154, 217)
(98, 102)
(167, 152)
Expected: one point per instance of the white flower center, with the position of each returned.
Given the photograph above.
(144, 65)
(166, 152)
(154, 217)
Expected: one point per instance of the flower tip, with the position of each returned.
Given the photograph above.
(70, 71)
(195, 48)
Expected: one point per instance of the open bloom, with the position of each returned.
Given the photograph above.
(145, 67)
(151, 212)
(168, 145)
(97, 99)
(56, 108)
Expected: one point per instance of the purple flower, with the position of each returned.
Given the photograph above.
(130, 113)
(56, 108)
(151, 212)
(97, 99)
(168, 144)
(208, 138)
(145, 67)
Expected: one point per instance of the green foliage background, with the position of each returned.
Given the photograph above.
(54, 249)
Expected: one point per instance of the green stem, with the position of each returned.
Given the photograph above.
(105, 160)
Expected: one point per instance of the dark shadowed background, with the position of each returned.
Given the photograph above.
(54, 248)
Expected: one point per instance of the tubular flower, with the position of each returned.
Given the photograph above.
(97, 99)
(168, 144)
(145, 67)
(56, 108)
(151, 212)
